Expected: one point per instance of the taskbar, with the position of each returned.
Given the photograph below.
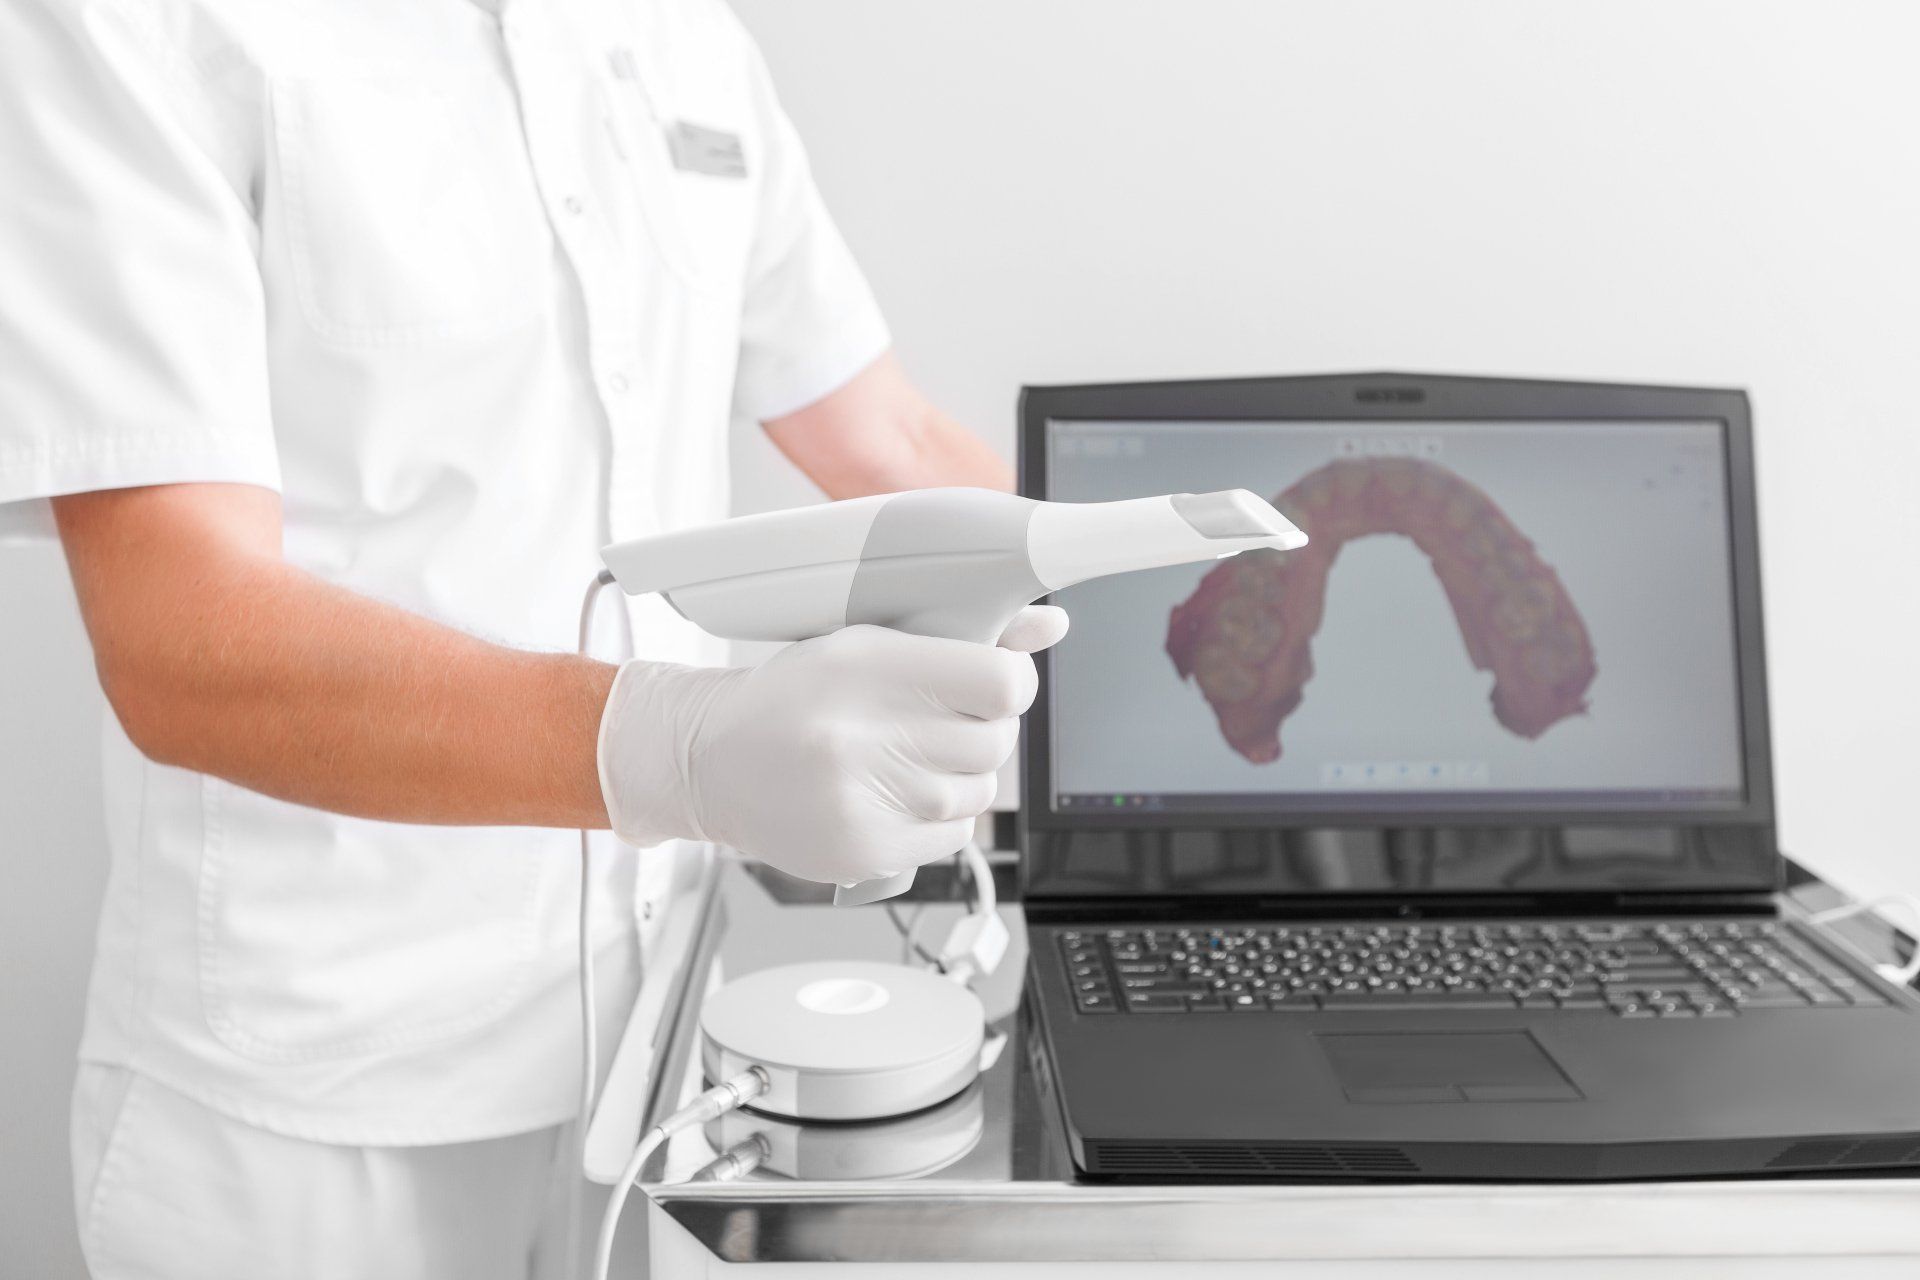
(1351, 799)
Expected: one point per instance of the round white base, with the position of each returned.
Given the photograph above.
(845, 1039)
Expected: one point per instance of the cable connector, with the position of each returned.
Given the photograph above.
(975, 948)
(717, 1101)
(979, 942)
(736, 1161)
(1900, 974)
(711, 1105)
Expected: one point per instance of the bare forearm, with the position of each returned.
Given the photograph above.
(878, 434)
(947, 453)
(289, 686)
(228, 661)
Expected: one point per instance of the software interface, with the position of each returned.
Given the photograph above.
(1530, 615)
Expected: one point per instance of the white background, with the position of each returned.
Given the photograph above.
(1059, 190)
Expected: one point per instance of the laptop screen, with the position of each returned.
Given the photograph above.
(1491, 616)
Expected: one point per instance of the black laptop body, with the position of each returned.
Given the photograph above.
(1444, 847)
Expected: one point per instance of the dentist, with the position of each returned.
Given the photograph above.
(335, 339)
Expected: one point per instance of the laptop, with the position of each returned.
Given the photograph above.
(1443, 847)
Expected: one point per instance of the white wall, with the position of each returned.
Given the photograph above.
(1054, 190)
(52, 868)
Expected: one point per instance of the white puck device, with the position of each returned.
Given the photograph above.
(845, 1039)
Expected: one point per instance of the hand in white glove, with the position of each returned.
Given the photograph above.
(850, 757)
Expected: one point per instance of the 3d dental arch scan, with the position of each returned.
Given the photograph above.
(1244, 635)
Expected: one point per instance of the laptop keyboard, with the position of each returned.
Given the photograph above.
(1629, 969)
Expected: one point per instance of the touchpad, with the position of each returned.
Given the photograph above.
(1446, 1066)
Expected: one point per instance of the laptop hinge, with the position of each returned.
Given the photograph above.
(1426, 906)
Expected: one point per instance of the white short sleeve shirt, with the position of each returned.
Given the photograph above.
(476, 292)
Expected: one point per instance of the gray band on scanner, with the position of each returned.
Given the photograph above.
(1218, 515)
(976, 549)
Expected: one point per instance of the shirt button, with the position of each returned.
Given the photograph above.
(574, 205)
(617, 383)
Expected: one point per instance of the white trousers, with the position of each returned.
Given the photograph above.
(166, 1189)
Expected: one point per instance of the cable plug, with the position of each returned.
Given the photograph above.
(712, 1104)
(737, 1161)
(975, 948)
(1898, 974)
(717, 1101)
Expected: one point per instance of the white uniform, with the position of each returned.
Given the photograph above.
(477, 292)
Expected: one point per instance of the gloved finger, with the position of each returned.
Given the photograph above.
(967, 745)
(981, 681)
(1036, 627)
(943, 797)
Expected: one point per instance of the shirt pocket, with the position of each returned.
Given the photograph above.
(701, 223)
(411, 211)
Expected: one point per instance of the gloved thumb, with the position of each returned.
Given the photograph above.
(1036, 627)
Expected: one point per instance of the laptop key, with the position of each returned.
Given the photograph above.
(1147, 1002)
(1344, 1000)
(1291, 1002)
(1658, 975)
(1774, 1000)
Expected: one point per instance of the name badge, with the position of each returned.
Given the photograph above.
(698, 149)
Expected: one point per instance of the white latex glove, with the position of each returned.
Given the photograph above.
(850, 757)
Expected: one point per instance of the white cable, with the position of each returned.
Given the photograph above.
(909, 948)
(909, 929)
(715, 1102)
(987, 900)
(589, 1035)
(979, 942)
(1904, 974)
